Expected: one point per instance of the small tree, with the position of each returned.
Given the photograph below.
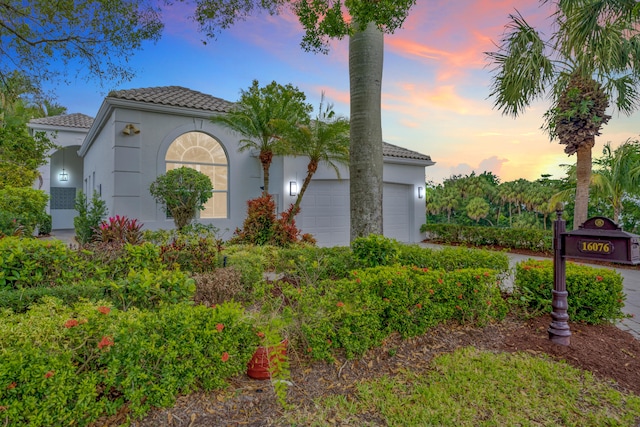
(90, 214)
(182, 191)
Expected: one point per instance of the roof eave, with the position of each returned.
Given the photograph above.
(407, 161)
(110, 103)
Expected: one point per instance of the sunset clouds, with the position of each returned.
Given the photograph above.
(435, 89)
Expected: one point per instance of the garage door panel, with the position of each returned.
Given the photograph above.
(325, 212)
(396, 204)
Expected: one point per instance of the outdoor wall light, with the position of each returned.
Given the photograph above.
(130, 129)
(63, 176)
(420, 192)
(293, 188)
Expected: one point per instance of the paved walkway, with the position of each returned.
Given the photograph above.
(630, 284)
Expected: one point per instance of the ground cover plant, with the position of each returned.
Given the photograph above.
(152, 339)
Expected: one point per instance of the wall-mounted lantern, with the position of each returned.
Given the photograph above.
(293, 188)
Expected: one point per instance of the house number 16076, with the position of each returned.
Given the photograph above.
(595, 246)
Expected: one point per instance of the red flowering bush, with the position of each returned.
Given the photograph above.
(261, 227)
(52, 372)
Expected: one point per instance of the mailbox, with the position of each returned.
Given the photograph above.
(601, 239)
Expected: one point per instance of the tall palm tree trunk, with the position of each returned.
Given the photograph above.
(312, 167)
(583, 179)
(366, 51)
(266, 157)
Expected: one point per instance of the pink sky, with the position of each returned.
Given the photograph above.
(435, 84)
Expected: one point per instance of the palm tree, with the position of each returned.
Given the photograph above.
(323, 140)
(262, 116)
(617, 175)
(592, 58)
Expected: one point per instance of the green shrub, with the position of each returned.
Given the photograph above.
(90, 215)
(517, 238)
(251, 265)
(595, 294)
(194, 256)
(310, 264)
(191, 233)
(44, 227)
(452, 258)
(357, 312)
(26, 205)
(145, 289)
(375, 250)
(26, 263)
(114, 260)
(62, 365)
(19, 300)
(182, 192)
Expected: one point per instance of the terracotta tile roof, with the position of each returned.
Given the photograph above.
(75, 120)
(176, 96)
(391, 150)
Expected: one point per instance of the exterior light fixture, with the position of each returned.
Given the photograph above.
(293, 188)
(420, 192)
(63, 176)
(130, 129)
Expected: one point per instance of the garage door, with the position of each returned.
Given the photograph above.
(395, 211)
(325, 212)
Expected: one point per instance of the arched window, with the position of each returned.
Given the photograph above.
(203, 153)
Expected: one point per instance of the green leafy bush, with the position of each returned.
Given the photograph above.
(90, 215)
(24, 204)
(357, 312)
(19, 300)
(595, 294)
(251, 265)
(182, 192)
(62, 365)
(146, 289)
(517, 238)
(452, 258)
(310, 264)
(375, 250)
(26, 263)
(44, 227)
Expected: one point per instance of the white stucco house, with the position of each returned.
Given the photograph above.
(139, 134)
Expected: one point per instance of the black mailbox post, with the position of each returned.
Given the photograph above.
(601, 239)
(598, 238)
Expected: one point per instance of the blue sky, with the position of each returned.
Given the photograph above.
(434, 92)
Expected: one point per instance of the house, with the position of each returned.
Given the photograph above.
(139, 134)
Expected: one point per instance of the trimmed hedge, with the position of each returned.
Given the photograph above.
(595, 294)
(63, 365)
(517, 238)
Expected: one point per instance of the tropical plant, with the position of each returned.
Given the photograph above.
(262, 116)
(323, 140)
(617, 175)
(182, 192)
(591, 58)
(365, 23)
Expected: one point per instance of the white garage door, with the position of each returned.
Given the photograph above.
(395, 211)
(325, 212)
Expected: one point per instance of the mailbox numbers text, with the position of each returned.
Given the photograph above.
(595, 246)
